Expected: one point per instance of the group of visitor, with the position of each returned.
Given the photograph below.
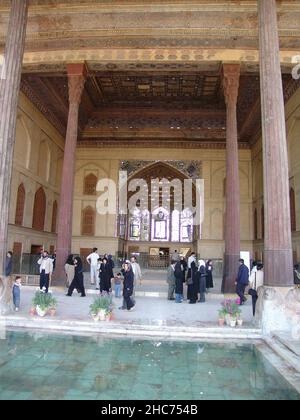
(102, 276)
(197, 276)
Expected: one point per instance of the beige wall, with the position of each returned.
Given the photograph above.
(37, 152)
(105, 163)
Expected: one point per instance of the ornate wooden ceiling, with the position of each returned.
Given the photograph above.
(154, 66)
(154, 107)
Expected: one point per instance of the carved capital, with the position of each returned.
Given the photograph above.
(76, 85)
(231, 82)
(76, 80)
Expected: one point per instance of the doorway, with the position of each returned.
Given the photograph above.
(159, 257)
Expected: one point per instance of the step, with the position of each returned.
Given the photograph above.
(285, 350)
(114, 328)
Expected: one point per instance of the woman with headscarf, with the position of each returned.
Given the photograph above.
(70, 269)
(180, 278)
(105, 276)
(193, 287)
(209, 278)
(78, 281)
(128, 287)
(201, 280)
(111, 264)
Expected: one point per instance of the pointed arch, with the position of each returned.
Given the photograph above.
(54, 217)
(90, 184)
(88, 221)
(21, 195)
(39, 210)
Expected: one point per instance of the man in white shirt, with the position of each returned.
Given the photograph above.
(46, 270)
(92, 259)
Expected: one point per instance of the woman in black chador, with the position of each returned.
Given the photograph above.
(105, 276)
(128, 286)
(193, 284)
(201, 280)
(78, 281)
(180, 278)
(209, 277)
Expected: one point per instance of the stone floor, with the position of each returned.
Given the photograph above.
(151, 317)
(148, 310)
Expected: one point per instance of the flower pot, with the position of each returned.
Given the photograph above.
(240, 322)
(32, 311)
(221, 322)
(102, 315)
(228, 320)
(41, 312)
(233, 323)
(108, 316)
(52, 312)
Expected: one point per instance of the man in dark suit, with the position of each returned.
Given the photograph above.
(242, 281)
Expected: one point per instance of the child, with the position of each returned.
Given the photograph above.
(118, 282)
(17, 293)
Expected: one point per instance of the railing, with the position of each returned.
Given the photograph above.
(26, 264)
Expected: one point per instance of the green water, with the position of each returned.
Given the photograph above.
(41, 366)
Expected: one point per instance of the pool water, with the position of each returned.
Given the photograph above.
(40, 366)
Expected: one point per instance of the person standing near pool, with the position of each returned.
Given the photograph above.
(171, 280)
(46, 270)
(179, 276)
(209, 277)
(92, 259)
(201, 280)
(17, 293)
(242, 281)
(128, 286)
(78, 281)
(70, 270)
(105, 275)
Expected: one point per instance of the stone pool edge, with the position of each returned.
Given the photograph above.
(288, 371)
(123, 329)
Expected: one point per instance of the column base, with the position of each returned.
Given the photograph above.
(58, 278)
(6, 303)
(278, 310)
(231, 265)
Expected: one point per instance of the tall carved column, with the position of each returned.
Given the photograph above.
(278, 303)
(9, 94)
(231, 77)
(278, 257)
(77, 77)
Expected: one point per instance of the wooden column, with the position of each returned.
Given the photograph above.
(231, 78)
(278, 257)
(77, 77)
(9, 94)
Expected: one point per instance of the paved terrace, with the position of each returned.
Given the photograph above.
(153, 314)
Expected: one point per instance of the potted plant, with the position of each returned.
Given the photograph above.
(232, 312)
(222, 315)
(102, 307)
(43, 302)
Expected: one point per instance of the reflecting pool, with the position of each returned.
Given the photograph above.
(40, 366)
